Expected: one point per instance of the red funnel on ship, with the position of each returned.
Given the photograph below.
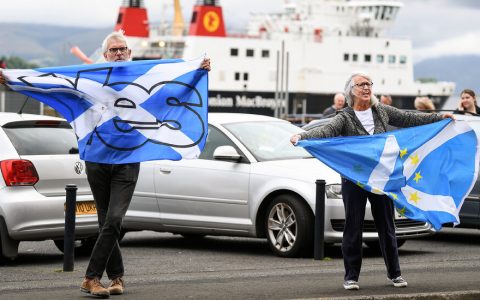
(207, 19)
(133, 19)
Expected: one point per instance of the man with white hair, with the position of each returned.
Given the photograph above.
(338, 104)
(112, 187)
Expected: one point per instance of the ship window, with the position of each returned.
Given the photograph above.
(391, 59)
(249, 52)
(233, 51)
(245, 76)
(120, 17)
(346, 57)
(402, 59)
(265, 53)
(237, 76)
(354, 57)
(367, 58)
(194, 18)
(380, 58)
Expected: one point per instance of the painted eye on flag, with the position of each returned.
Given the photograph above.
(129, 111)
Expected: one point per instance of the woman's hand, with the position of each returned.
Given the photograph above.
(448, 115)
(206, 64)
(295, 138)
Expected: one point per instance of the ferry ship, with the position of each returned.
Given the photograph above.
(290, 63)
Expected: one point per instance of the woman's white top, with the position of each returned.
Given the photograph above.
(366, 118)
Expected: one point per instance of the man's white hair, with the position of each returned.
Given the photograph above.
(350, 84)
(116, 35)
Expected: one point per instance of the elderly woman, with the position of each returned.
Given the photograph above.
(364, 115)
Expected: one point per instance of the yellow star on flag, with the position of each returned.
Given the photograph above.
(402, 211)
(414, 159)
(394, 196)
(414, 197)
(417, 177)
(403, 152)
(360, 184)
(377, 191)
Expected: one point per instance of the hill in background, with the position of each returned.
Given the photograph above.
(48, 45)
(463, 70)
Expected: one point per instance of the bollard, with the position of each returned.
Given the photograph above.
(319, 238)
(69, 238)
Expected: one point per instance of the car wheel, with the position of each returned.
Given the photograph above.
(376, 244)
(289, 226)
(83, 247)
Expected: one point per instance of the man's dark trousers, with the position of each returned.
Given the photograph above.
(112, 186)
(355, 200)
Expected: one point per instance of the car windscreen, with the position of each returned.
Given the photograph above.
(268, 140)
(42, 137)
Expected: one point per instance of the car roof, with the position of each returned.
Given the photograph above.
(7, 117)
(224, 118)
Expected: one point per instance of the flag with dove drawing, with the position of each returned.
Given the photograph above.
(126, 112)
(426, 170)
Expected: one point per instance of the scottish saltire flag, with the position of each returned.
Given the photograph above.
(427, 170)
(126, 112)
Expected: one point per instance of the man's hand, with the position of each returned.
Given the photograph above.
(205, 64)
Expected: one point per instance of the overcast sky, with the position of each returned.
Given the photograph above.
(436, 27)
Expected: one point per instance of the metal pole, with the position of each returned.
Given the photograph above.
(286, 86)
(319, 239)
(69, 238)
(275, 113)
(2, 100)
(304, 110)
(282, 62)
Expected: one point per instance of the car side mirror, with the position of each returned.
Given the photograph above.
(226, 153)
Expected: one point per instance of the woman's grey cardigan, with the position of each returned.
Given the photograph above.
(346, 123)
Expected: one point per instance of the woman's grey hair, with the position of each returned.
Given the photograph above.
(350, 84)
(116, 35)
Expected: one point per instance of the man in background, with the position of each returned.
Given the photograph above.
(386, 99)
(338, 104)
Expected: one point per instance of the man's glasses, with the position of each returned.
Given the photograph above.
(122, 50)
(367, 85)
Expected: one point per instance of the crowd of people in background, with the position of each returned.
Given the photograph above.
(466, 104)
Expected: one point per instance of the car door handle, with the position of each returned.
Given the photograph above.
(165, 170)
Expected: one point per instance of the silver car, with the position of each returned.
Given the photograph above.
(38, 158)
(248, 181)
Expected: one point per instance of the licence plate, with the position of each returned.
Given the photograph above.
(84, 208)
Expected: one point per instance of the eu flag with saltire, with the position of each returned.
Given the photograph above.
(426, 170)
(126, 112)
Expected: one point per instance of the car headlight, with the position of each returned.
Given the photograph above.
(333, 191)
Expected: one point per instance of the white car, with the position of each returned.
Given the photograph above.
(38, 158)
(248, 181)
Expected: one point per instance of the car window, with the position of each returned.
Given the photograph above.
(268, 140)
(42, 137)
(215, 139)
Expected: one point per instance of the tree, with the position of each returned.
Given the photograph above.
(14, 62)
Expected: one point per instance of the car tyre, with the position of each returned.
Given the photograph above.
(375, 245)
(83, 247)
(289, 226)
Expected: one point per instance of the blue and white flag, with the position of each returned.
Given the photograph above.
(427, 170)
(126, 112)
